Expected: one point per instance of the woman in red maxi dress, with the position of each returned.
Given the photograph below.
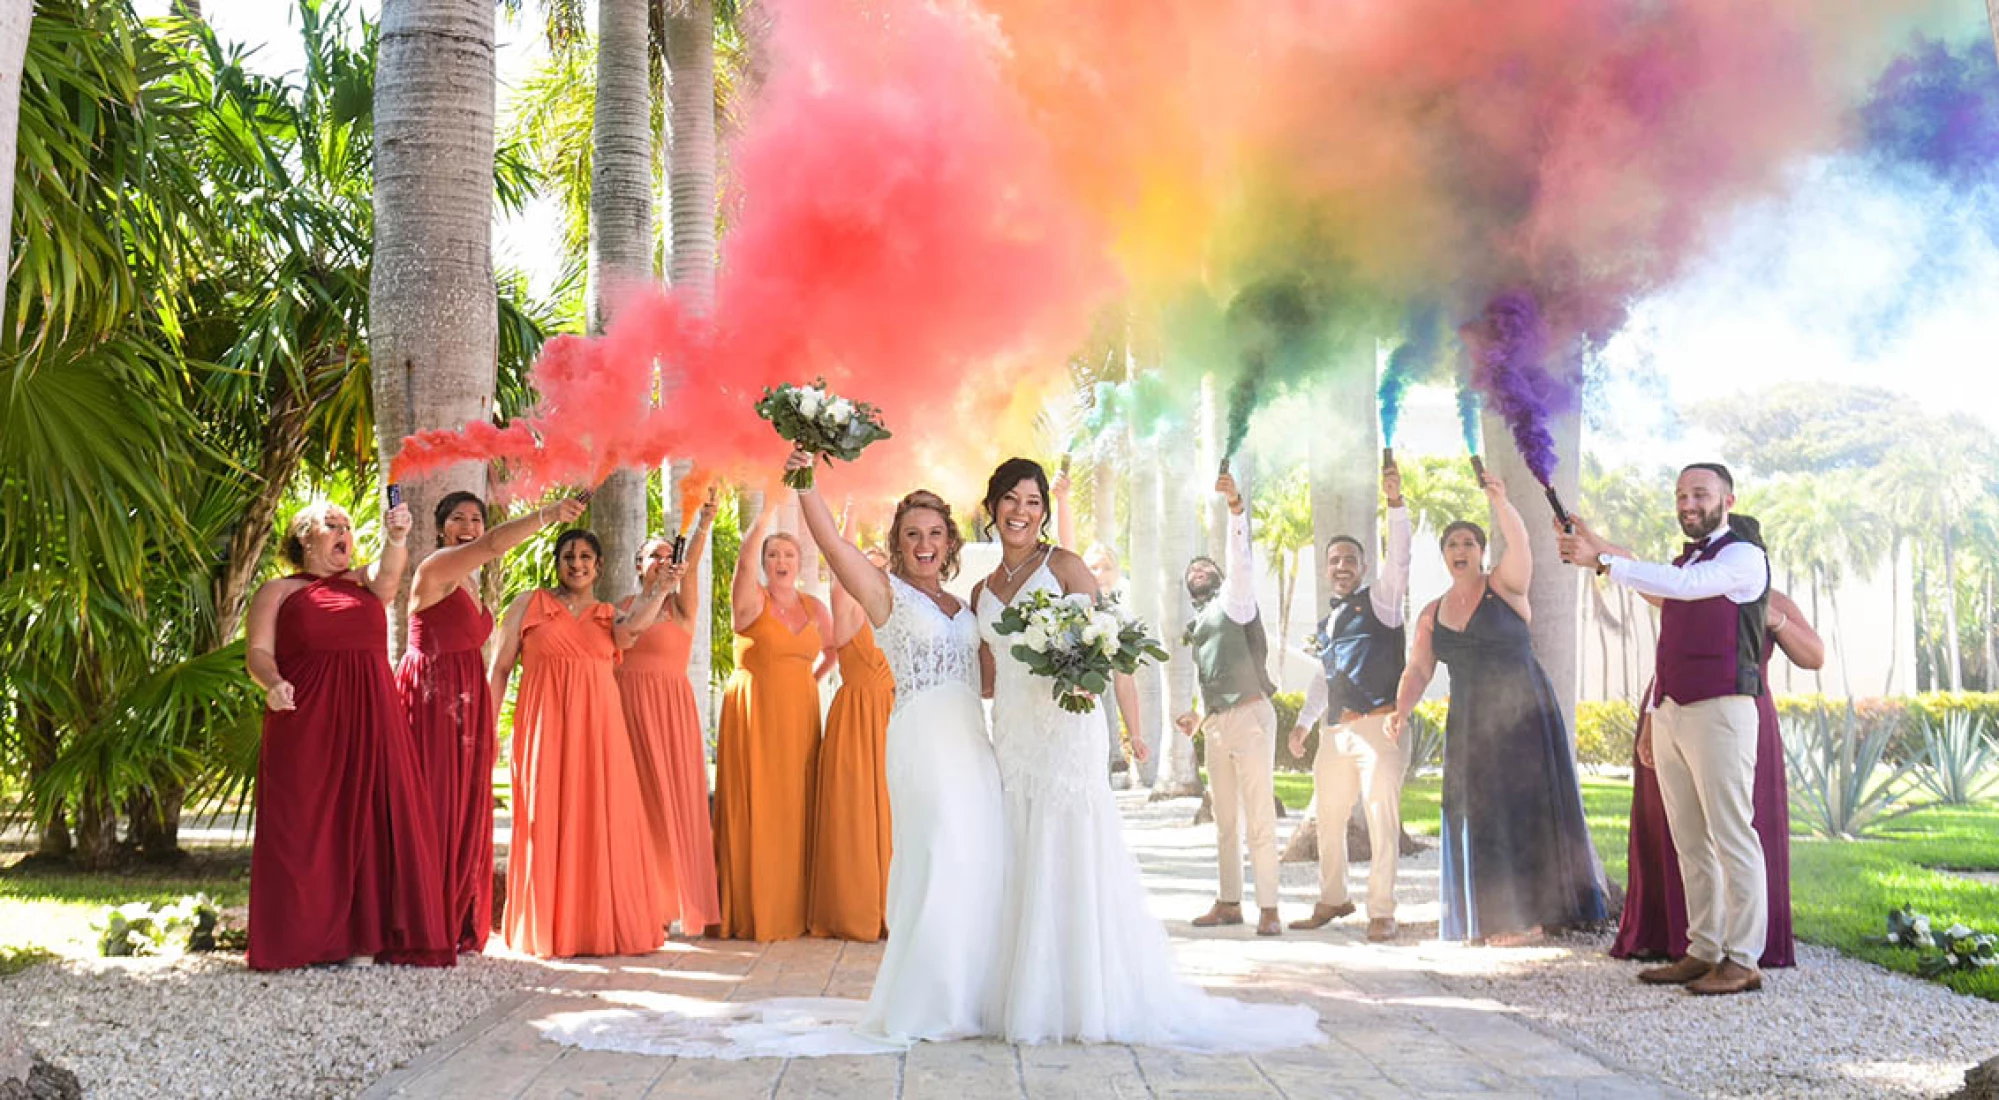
(343, 862)
(668, 745)
(582, 876)
(442, 679)
(1654, 922)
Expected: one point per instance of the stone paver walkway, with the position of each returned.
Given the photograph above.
(1394, 1030)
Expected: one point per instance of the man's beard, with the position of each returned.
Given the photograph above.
(1203, 591)
(1706, 525)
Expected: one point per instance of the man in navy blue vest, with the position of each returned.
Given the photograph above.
(1362, 650)
(1711, 633)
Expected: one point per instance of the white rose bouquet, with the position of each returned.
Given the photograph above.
(812, 419)
(1078, 643)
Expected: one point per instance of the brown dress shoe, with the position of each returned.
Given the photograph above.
(1729, 977)
(1381, 930)
(1323, 915)
(1222, 912)
(1268, 924)
(1680, 972)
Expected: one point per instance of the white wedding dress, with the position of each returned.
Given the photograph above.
(943, 903)
(1079, 956)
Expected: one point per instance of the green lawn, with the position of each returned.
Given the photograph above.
(1841, 891)
(45, 912)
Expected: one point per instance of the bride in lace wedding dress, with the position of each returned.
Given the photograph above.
(943, 901)
(1080, 957)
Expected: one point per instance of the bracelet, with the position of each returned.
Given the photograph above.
(1780, 624)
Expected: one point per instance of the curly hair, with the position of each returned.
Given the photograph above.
(953, 540)
(303, 523)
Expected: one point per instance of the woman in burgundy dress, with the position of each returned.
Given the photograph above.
(343, 864)
(1654, 924)
(449, 706)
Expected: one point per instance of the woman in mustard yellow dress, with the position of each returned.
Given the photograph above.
(850, 833)
(767, 749)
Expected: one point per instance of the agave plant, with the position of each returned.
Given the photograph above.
(1842, 783)
(1960, 760)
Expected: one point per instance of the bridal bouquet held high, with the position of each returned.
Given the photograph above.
(811, 419)
(1077, 643)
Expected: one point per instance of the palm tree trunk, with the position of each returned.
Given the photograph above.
(621, 244)
(1953, 648)
(43, 747)
(1552, 594)
(432, 307)
(15, 17)
(1991, 634)
(691, 170)
(1153, 717)
(1179, 772)
(1895, 603)
(1919, 607)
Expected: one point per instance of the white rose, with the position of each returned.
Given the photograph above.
(809, 400)
(1035, 639)
(1091, 635)
(1105, 624)
(839, 412)
(1108, 646)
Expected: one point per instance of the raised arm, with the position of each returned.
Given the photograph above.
(746, 594)
(648, 607)
(1513, 573)
(508, 652)
(1238, 578)
(685, 602)
(867, 585)
(437, 574)
(1391, 582)
(261, 657)
(1416, 676)
(1793, 632)
(385, 574)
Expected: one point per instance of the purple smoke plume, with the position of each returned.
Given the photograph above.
(1509, 353)
(1939, 108)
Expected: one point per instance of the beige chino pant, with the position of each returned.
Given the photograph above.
(1242, 753)
(1358, 761)
(1706, 756)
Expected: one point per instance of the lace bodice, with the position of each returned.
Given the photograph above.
(1041, 747)
(925, 648)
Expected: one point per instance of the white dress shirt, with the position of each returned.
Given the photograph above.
(1741, 572)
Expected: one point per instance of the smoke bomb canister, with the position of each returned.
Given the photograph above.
(395, 494)
(1478, 467)
(679, 549)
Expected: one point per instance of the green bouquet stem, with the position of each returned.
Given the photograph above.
(800, 480)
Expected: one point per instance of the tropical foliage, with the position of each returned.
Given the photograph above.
(186, 350)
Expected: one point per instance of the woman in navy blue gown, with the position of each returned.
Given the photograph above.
(1517, 859)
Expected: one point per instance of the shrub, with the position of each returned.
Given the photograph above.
(139, 928)
(1842, 783)
(1605, 732)
(1960, 759)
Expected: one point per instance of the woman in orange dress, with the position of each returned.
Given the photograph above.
(582, 878)
(850, 830)
(767, 749)
(668, 745)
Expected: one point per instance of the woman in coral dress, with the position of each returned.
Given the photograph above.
(850, 830)
(767, 749)
(668, 746)
(582, 878)
(1654, 922)
(343, 865)
(447, 701)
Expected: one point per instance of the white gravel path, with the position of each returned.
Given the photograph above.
(1833, 1027)
(208, 1027)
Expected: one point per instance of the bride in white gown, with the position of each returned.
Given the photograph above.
(1080, 958)
(943, 903)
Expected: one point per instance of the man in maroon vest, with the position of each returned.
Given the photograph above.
(1711, 633)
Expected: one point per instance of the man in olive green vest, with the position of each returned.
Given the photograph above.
(1240, 727)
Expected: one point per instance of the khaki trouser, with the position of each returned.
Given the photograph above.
(1242, 753)
(1358, 761)
(1706, 757)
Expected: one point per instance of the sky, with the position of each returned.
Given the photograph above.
(1785, 291)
